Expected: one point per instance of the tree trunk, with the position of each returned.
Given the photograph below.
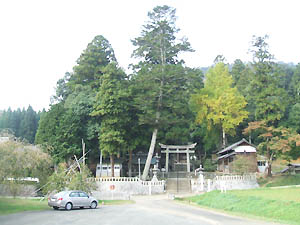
(112, 162)
(223, 138)
(150, 154)
(270, 159)
(130, 164)
(270, 170)
(159, 105)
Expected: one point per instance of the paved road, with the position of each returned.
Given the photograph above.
(147, 211)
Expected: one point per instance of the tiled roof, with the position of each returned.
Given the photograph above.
(234, 145)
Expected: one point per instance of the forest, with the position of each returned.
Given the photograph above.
(21, 124)
(161, 100)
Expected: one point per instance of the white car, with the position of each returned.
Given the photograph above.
(72, 199)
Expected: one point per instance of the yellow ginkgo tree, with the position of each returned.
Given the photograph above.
(219, 103)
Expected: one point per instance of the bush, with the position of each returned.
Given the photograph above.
(19, 160)
(63, 179)
(209, 165)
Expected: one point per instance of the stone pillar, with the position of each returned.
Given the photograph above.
(188, 161)
(167, 160)
(208, 185)
(201, 179)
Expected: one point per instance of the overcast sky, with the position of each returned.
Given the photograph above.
(41, 40)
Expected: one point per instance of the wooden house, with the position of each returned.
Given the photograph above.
(242, 149)
(294, 168)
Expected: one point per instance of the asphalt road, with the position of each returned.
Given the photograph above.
(147, 211)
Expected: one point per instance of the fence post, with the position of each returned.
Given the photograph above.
(208, 185)
(201, 182)
(149, 187)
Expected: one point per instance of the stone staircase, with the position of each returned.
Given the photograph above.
(178, 185)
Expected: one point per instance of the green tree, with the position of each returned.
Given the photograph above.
(294, 117)
(22, 124)
(294, 86)
(218, 103)
(112, 107)
(157, 73)
(69, 119)
(242, 76)
(19, 160)
(64, 178)
(267, 96)
(29, 124)
(98, 54)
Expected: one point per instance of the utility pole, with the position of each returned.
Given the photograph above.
(100, 163)
(83, 152)
(139, 162)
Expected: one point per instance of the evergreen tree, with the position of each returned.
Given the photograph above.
(159, 72)
(22, 124)
(112, 107)
(266, 94)
(70, 118)
(28, 125)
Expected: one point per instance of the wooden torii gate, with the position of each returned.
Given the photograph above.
(178, 149)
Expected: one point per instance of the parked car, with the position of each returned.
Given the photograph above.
(72, 199)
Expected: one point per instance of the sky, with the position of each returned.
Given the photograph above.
(40, 40)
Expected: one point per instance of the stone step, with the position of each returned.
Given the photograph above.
(178, 185)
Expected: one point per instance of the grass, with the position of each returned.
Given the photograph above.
(280, 180)
(14, 205)
(274, 204)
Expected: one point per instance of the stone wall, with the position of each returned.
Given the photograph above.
(223, 183)
(20, 190)
(123, 187)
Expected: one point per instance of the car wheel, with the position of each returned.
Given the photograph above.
(93, 205)
(55, 207)
(69, 206)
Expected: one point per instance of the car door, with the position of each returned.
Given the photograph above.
(75, 199)
(84, 199)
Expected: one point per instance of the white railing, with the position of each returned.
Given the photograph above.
(117, 179)
(128, 179)
(236, 177)
(153, 183)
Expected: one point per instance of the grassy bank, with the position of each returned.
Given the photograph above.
(279, 180)
(275, 204)
(14, 205)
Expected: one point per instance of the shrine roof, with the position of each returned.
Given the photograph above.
(243, 141)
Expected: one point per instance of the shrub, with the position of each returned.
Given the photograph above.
(18, 161)
(64, 179)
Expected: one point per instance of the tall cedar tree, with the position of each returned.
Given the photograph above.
(267, 97)
(159, 71)
(112, 107)
(69, 121)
